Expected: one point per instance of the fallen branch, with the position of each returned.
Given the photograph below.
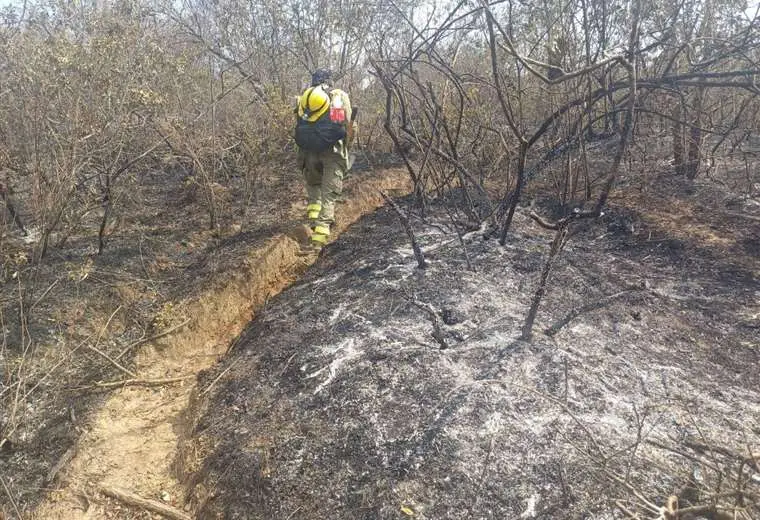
(63, 461)
(138, 382)
(10, 497)
(154, 506)
(717, 512)
(434, 319)
(700, 498)
(111, 360)
(684, 454)
(625, 510)
(567, 410)
(703, 447)
(217, 378)
(152, 338)
(574, 313)
(560, 239)
(108, 358)
(741, 215)
(652, 507)
(47, 291)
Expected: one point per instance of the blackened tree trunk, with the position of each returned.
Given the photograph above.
(677, 133)
(694, 157)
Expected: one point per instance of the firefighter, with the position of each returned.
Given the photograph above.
(323, 133)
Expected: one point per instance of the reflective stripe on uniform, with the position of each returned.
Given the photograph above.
(319, 238)
(312, 210)
(321, 230)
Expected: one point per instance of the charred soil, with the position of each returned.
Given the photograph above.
(338, 400)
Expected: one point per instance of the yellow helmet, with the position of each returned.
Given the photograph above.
(313, 103)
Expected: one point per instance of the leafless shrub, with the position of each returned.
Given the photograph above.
(537, 109)
(721, 484)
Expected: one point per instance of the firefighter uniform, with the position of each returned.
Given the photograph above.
(324, 171)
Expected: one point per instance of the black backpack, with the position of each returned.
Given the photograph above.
(320, 135)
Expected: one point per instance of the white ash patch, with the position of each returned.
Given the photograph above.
(490, 426)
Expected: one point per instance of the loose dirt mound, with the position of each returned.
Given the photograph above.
(339, 402)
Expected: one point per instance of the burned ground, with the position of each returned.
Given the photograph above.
(162, 302)
(161, 252)
(338, 402)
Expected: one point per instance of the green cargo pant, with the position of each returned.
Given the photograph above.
(324, 172)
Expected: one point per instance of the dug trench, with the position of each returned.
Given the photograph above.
(131, 442)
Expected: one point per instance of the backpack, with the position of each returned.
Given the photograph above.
(319, 135)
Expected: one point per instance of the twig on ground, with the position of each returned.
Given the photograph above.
(626, 511)
(434, 319)
(653, 508)
(62, 461)
(42, 297)
(153, 506)
(710, 501)
(560, 239)
(25, 341)
(137, 382)
(111, 360)
(740, 215)
(142, 259)
(105, 327)
(95, 348)
(574, 313)
(52, 369)
(483, 475)
(724, 513)
(682, 453)
(702, 447)
(152, 338)
(10, 497)
(567, 382)
(753, 458)
(217, 378)
(160, 335)
(559, 402)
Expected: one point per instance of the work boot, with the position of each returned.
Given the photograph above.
(320, 234)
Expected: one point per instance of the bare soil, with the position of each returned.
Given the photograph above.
(78, 319)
